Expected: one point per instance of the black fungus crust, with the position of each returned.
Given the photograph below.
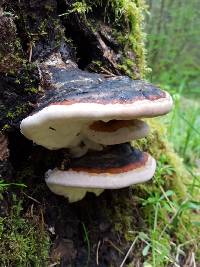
(76, 86)
(117, 156)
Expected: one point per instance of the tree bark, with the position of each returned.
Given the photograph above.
(30, 31)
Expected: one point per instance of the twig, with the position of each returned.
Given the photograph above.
(30, 52)
(129, 251)
(35, 200)
(193, 260)
(97, 254)
(53, 264)
(172, 260)
(110, 74)
(114, 246)
(42, 220)
(169, 202)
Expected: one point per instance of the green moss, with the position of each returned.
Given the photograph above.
(19, 110)
(32, 90)
(123, 220)
(23, 240)
(96, 66)
(80, 7)
(163, 151)
(126, 19)
(130, 13)
(11, 56)
(5, 127)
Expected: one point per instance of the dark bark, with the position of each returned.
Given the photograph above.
(5, 167)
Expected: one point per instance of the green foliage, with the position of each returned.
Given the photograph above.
(168, 219)
(80, 7)
(23, 242)
(172, 204)
(173, 42)
(4, 185)
(184, 128)
(87, 240)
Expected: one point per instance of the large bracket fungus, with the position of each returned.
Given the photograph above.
(93, 117)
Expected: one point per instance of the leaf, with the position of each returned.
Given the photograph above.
(194, 205)
(167, 207)
(190, 205)
(146, 264)
(196, 223)
(168, 193)
(143, 236)
(146, 250)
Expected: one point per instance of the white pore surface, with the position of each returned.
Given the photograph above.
(122, 135)
(74, 193)
(58, 181)
(82, 148)
(68, 120)
(51, 130)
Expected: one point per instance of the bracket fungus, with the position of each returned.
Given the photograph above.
(94, 117)
(114, 167)
(116, 131)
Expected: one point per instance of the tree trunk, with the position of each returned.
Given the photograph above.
(94, 231)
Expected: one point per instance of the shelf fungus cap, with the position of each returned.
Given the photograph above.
(79, 98)
(116, 131)
(113, 168)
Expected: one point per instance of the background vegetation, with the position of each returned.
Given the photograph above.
(173, 43)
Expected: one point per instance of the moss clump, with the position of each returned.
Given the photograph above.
(125, 17)
(42, 29)
(130, 14)
(23, 91)
(128, 30)
(158, 145)
(23, 240)
(45, 28)
(19, 110)
(10, 47)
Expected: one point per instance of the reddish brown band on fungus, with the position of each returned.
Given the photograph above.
(111, 126)
(126, 168)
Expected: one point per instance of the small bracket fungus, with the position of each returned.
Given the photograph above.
(86, 112)
(112, 168)
(116, 131)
